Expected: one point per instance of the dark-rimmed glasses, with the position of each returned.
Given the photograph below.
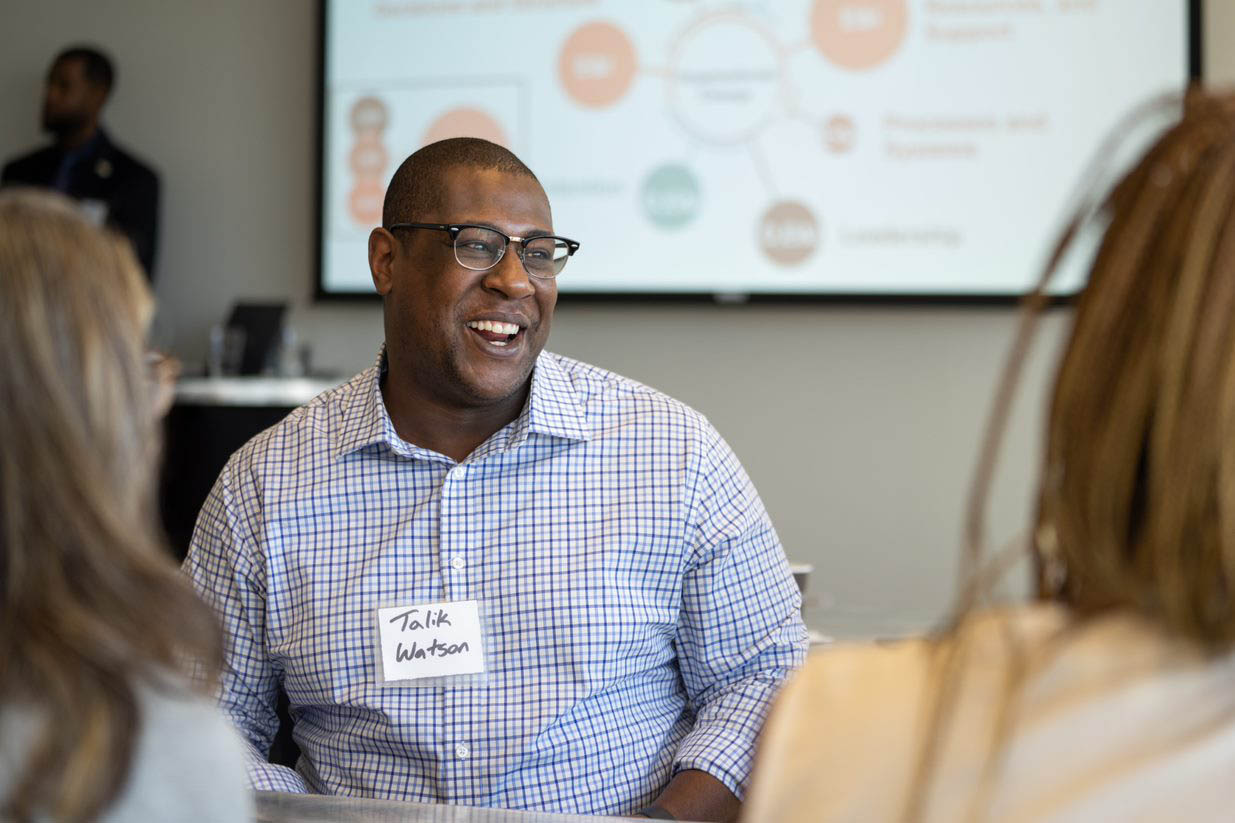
(480, 248)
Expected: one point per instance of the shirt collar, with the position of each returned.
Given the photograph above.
(554, 409)
(363, 419)
(97, 142)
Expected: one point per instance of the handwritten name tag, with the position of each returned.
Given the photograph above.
(430, 640)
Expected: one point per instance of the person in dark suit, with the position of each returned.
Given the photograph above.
(110, 185)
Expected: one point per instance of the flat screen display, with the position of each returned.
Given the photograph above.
(914, 148)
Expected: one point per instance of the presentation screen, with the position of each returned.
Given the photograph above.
(902, 148)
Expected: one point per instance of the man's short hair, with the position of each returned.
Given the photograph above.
(417, 184)
(96, 65)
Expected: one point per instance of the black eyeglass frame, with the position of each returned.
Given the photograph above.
(572, 246)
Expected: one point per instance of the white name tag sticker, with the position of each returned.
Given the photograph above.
(430, 640)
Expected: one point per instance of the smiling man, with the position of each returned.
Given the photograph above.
(486, 574)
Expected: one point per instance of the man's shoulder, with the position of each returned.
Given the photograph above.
(35, 167)
(168, 778)
(126, 165)
(308, 432)
(602, 393)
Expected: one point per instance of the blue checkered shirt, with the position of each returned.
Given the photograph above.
(639, 612)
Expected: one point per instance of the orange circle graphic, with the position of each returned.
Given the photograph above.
(365, 202)
(858, 34)
(596, 65)
(367, 158)
(788, 233)
(466, 122)
(839, 133)
(369, 114)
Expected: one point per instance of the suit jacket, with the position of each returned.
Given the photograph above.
(128, 188)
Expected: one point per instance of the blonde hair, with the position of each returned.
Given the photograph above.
(90, 599)
(1137, 507)
(1136, 504)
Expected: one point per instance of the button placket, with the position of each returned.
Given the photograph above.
(453, 529)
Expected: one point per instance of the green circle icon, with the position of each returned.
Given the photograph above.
(670, 196)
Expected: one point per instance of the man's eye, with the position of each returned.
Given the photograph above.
(540, 250)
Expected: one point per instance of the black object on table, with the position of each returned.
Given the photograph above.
(262, 324)
(198, 441)
(210, 419)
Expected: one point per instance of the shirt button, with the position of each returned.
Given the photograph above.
(462, 751)
(457, 563)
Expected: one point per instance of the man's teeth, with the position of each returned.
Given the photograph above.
(494, 326)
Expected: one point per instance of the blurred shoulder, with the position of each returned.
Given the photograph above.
(846, 732)
(128, 166)
(885, 668)
(188, 762)
(33, 168)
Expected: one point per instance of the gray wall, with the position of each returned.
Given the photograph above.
(859, 425)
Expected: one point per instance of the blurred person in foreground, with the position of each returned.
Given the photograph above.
(97, 720)
(110, 185)
(1113, 698)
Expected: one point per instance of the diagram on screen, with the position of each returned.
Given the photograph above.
(798, 147)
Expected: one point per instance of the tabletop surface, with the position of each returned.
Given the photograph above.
(252, 391)
(276, 807)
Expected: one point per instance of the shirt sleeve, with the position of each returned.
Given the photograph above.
(740, 631)
(223, 565)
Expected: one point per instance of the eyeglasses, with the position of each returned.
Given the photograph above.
(480, 248)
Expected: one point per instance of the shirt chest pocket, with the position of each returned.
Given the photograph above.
(596, 612)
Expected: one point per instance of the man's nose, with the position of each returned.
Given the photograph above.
(509, 277)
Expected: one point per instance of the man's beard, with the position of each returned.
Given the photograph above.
(62, 125)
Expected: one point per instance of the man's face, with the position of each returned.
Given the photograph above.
(70, 100)
(434, 305)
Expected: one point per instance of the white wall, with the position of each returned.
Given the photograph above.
(858, 424)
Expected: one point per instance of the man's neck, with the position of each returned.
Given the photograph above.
(77, 138)
(454, 431)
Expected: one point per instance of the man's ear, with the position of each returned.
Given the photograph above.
(96, 98)
(381, 260)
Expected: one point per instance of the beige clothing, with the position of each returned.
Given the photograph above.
(1112, 721)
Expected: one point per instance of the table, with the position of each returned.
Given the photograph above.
(277, 807)
(282, 392)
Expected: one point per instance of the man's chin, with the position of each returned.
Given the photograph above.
(487, 389)
(59, 127)
(491, 394)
